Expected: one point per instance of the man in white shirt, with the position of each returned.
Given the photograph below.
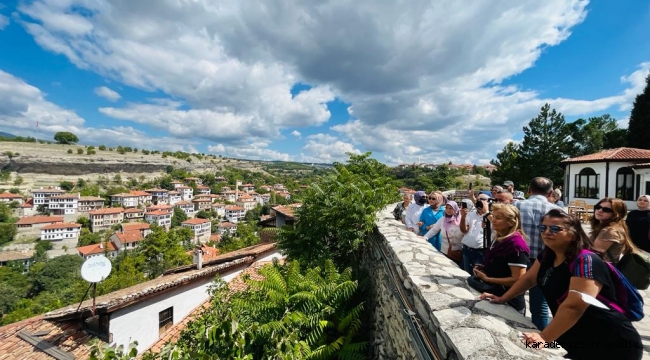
(471, 224)
(414, 210)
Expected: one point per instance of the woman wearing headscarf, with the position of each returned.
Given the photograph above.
(507, 257)
(430, 215)
(449, 227)
(638, 222)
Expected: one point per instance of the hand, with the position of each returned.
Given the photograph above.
(479, 267)
(410, 229)
(429, 227)
(464, 212)
(532, 338)
(492, 298)
(420, 223)
(480, 274)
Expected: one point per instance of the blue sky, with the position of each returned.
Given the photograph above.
(301, 82)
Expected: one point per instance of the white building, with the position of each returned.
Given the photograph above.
(61, 231)
(125, 200)
(104, 219)
(7, 197)
(160, 218)
(144, 198)
(247, 202)
(133, 214)
(42, 196)
(229, 195)
(202, 204)
(187, 193)
(107, 249)
(187, 207)
(158, 196)
(90, 203)
(227, 227)
(201, 228)
(235, 213)
(219, 208)
(175, 197)
(247, 187)
(622, 173)
(130, 235)
(65, 204)
(203, 190)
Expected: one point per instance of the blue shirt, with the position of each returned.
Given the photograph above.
(430, 217)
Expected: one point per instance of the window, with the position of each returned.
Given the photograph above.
(165, 320)
(625, 183)
(586, 185)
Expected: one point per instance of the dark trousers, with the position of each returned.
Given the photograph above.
(471, 258)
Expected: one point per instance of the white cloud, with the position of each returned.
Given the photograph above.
(324, 148)
(4, 21)
(424, 79)
(107, 93)
(296, 133)
(253, 151)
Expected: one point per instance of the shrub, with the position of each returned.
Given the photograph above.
(69, 151)
(102, 147)
(80, 151)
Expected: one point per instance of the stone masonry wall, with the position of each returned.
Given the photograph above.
(458, 325)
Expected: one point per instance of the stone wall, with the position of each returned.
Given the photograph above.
(438, 301)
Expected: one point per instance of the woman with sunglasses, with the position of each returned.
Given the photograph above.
(583, 329)
(608, 230)
(430, 215)
(638, 222)
(507, 258)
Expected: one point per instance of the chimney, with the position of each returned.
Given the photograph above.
(198, 259)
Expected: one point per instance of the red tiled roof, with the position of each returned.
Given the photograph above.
(133, 210)
(202, 200)
(135, 226)
(174, 192)
(159, 207)
(196, 221)
(183, 187)
(157, 190)
(96, 248)
(68, 336)
(90, 198)
(183, 203)
(28, 203)
(226, 224)
(107, 211)
(31, 220)
(203, 187)
(215, 237)
(61, 226)
(158, 213)
(234, 207)
(139, 193)
(129, 236)
(8, 195)
(622, 154)
(288, 211)
(124, 195)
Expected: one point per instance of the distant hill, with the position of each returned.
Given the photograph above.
(7, 135)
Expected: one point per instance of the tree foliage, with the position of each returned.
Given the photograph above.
(639, 124)
(178, 217)
(338, 212)
(65, 137)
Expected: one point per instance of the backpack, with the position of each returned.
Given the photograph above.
(636, 269)
(629, 301)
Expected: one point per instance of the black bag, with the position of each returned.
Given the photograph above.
(483, 287)
(636, 270)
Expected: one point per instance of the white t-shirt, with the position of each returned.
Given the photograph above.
(413, 216)
(454, 235)
(474, 236)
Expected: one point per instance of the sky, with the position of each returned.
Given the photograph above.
(411, 81)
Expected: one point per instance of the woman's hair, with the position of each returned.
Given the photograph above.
(513, 216)
(616, 220)
(580, 239)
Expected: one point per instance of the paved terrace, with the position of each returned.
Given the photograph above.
(460, 325)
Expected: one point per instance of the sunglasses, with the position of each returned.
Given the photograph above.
(604, 209)
(554, 229)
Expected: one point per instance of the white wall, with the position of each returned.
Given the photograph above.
(600, 168)
(139, 322)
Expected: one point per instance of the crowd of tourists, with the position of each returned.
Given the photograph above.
(510, 243)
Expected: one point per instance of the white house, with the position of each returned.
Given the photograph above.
(158, 196)
(219, 208)
(175, 197)
(7, 197)
(203, 190)
(42, 196)
(226, 227)
(229, 195)
(133, 214)
(105, 218)
(622, 173)
(203, 203)
(247, 202)
(130, 235)
(125, 200)
(247, 187)
(61, 231)
(161, 218)
(65, 204)
(108, 249)
(144, 198)
(200, 227)
(235, 213)
(176, 184)
(187, 193)
(187, 207)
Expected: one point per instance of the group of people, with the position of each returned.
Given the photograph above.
(533, 244)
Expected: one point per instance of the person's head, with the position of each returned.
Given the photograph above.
(552, 197)
(506, 220)
(504, 197)
(482, 203)
(451, 209)
(607, 211)
(420, 198)
(495, 190)
(540, 186)
(509, 186)
(435, 199)
(643, 202)
(406, 198)
(563, 234)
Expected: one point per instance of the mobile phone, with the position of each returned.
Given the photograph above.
(463, 205)
(470, 186)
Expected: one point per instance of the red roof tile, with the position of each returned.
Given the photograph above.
(129, 236)
(96, 248)
(135, 226)
(196, 221)
(622, 154)
(29, 203)
(139, 193)
(158, 213)
(31, 220)
(61, 226)
(133, 210)
(8, 195)
(90, 198)
(107, 211)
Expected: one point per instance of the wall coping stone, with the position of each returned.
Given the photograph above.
(464, 326)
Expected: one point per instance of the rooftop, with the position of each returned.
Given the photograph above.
(196, 221)
(157, 190)
(61, 226)
(8, 195)
(618, 154)
(135, 226)
(12, 255)
(133, 210)
(39, 219)
(107, 211)
(96, 248)
(90, 198)
(129, 236)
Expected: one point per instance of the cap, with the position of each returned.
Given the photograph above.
(508, 183)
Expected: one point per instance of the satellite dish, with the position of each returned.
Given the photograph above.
(96, 269)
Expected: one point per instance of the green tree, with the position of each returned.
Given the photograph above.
(178, 217)
(161, 252)
(639, 125)
(80, 151)
(56, 273)
(202, 214)
(18, 181)
(64, 137)
(338, 212)
(88, 238)
(66, 185)
(90, 190)
(596, 134)
(7, 233)
(69, 151)
(507, 165)
(102, 147)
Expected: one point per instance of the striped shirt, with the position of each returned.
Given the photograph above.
(532, 211)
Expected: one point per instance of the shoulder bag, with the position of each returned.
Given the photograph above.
(454, 255)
